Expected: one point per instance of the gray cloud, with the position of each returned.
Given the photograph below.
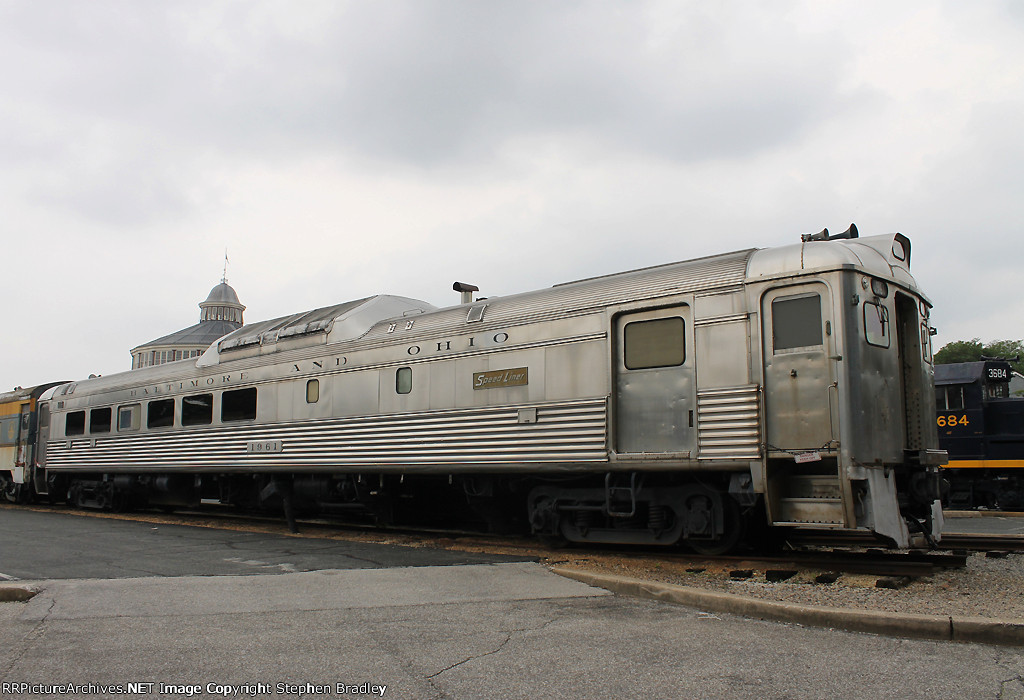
(432, 82)
(341, 149)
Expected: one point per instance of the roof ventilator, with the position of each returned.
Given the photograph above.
(466, 290)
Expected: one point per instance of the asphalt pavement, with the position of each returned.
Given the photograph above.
(68, 545)
(381, 628)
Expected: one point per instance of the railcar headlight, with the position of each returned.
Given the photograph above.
(879, 288)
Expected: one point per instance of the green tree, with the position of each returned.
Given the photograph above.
(973, 350)
(960, 351)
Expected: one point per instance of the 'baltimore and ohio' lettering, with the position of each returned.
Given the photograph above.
(170, 387)
(434, 347)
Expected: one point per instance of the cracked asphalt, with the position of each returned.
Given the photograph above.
(193, 606)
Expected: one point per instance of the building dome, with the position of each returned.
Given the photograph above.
(221, 294)
(222, 305)
(219, 315)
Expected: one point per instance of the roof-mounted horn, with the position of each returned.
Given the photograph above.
(823, 235)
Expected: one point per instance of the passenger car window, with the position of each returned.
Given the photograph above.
(796, 322)
(75, 423)
(657, 343)
(403, 380)
(197, 409)
(8, 431)
(99, 420)
(239, 404)
(128, 417)
(160, 414)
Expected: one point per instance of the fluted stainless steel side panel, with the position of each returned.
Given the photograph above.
(728, 423)
(444, 441)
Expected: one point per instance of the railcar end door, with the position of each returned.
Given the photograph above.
(654, 388)
(23, 447)
(798, 374)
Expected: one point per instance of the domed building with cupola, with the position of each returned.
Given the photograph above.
(219, 315)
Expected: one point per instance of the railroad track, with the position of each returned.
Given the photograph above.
(983, 543)
(870, 562)
(809, 550)
(950, 540)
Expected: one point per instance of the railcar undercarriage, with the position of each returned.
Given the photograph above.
(991, 489)
(616, 508)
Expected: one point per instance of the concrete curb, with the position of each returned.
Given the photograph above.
(11, 593)
(942, 627)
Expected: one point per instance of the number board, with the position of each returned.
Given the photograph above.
(999, 374)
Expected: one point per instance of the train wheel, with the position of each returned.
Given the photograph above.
(734, 526)
(14, 493)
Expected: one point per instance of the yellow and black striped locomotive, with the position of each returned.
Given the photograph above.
(981, 427)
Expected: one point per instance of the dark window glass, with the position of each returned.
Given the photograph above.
(954, 398)
(657, 343)
(998, 391)
(796, 322)
(75, 423)
(238, 405)
(197, 410)
(312, 391)
(160, 414)
(403, 380)
(99, 420)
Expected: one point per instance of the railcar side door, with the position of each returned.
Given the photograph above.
(798, 370)
(42, 434)
(655, 394)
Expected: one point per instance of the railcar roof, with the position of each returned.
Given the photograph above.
(370, 318)
(330, 324)
(22, 393)
(686, 277)
(886, 255)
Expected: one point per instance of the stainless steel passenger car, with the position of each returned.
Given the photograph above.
(787, 387)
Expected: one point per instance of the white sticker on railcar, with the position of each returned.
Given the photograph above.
(264, 446)
(805, 457)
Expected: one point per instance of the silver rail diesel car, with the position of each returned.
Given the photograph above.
(787, 387)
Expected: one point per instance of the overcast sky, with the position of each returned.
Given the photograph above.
(343, 149)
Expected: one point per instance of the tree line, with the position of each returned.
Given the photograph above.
(974, 350)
